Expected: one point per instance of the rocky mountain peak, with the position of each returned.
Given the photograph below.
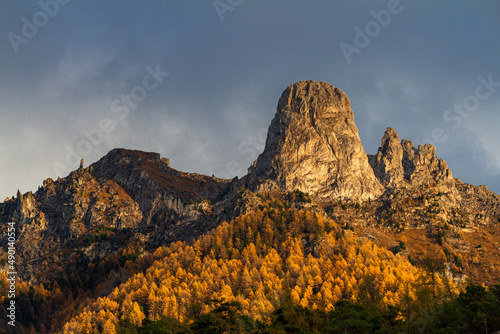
(390, 139)
(399, 163)
(388, 162)
(313, 146)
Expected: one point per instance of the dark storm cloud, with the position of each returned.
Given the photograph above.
(225, 78)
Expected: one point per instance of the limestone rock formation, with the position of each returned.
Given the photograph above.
(313, 145)
(388, 162)
(398, 163)
(125, 190)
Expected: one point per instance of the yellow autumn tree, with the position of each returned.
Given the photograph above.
(300, 250)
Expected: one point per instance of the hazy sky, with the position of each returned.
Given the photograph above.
(199, 81)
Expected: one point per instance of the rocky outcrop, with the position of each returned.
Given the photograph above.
(313, 145)
(161, 192)
(125, 190)
(399, 163)
(387, 164)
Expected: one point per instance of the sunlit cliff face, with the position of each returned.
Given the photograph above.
(313, 145)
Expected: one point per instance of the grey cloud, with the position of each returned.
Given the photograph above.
(226, 77)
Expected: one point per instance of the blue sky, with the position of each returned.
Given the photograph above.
(198, 81)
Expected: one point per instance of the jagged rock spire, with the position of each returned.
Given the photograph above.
(400, 163)
(313, 145)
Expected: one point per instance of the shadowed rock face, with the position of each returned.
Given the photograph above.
(313, 145)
